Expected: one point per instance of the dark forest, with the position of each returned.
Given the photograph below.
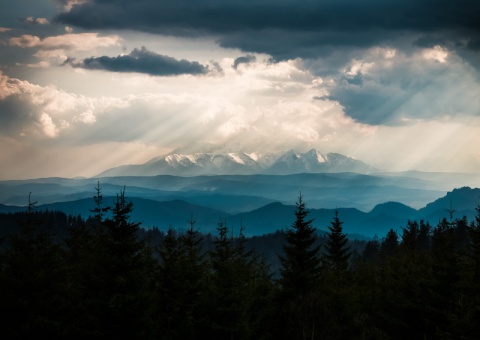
(65, 277)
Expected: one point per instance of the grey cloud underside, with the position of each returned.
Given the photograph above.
(232, 15)
(143, 61)
(374, 108)
(244, 60)
(237, 23)
(407, 95)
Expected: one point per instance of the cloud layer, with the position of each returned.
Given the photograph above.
(319, 25)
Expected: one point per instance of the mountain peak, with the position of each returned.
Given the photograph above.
(242, 163)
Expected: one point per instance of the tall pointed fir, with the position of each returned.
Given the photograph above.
(338, 253)
(231, 288)
(389, 244)
(181, 287)
(100, 210)
(337, 308)
(32, 282)
(298, 299)
(301, 262)
(127, 265)
(475, 244)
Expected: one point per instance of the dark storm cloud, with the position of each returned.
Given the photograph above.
(244, 60)
(142, 61)
(231, 15)
(237, 22)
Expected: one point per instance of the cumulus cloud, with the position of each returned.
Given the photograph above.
(4, 29)
(86, 117)
(142, 61)
(214, 114)
(32, 112)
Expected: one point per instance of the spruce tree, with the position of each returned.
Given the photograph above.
(410, 237)
(193, 282)
(231, 295)
(181, 288)
(168, 295)
(475, 244)
(126, 272)
(99, 210)
(389, 244)
(301, 262)
(32, 290)
(337, 249)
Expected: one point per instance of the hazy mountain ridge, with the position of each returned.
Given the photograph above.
(241, 163)
(322, 190)
(369, 204)
(274, 216)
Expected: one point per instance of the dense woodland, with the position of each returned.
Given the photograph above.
(106, 277)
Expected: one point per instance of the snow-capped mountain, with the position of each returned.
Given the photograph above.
(314, 162)
(241, 163)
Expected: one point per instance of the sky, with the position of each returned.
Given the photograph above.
(86, 85)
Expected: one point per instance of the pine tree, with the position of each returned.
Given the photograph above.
(182, 279)
(371, 252)
(464, 318)
(445, 274)
(389, 244)
(193, 282)
(82, 274)
(301, 263)
(337, 249)
(231, 294)
(32, 286)
(424, 237)
(410, 237)
(99, 210)
(475, 244)
(126, 264)
(297, 299)
(169, 294)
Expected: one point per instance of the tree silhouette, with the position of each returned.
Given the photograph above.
(99, 210)
(126, 271)
(337, 252)
(301, 263)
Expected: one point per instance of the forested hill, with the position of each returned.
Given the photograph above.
(105, 277)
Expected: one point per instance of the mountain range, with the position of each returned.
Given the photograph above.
(238, 163)
(258, 190)
(271, 215)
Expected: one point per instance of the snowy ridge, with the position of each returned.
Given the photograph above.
(238, 163)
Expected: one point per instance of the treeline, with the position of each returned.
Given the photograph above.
(106, 277)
